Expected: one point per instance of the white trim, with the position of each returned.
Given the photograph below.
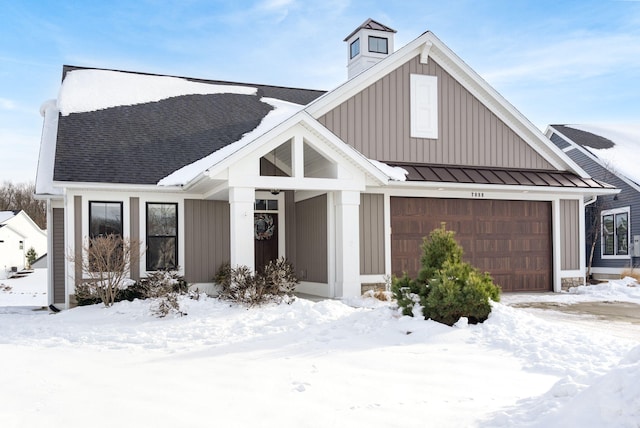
(468, 78)
(614, 212)
(373, 279)
(556, 246)
(573, 145)
(571, 273)
(609, 270)
(424, 106)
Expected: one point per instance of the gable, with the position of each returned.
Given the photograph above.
(376, 122)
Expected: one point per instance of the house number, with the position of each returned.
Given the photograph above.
(477, 194)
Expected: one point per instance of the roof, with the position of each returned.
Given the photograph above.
(370, 24)
(498, 176)
(142, 143)
(6, 215)
(584, 138)
(614, 146)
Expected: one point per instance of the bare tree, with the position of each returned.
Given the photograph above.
(21, 196)
(107, 264)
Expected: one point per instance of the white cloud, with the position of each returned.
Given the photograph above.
(578, 57)
(7, 104)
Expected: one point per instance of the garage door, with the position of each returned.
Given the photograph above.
(509, 239)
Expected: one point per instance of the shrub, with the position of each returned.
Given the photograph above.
(446, 288)
(164, 286)
(106, 266)
(275, 283)
(31, 257)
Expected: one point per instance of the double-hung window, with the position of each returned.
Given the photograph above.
(354, 48)
(615, 233)
(162, 236)
(105, 218)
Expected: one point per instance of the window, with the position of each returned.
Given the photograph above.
(424, 106)
(162, 236)
(355, 48)
(105, 218)
(615, 233)
(378, 45)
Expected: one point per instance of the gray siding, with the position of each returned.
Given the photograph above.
(560, 142)
(77, 230)
(134, 235)
(56, 258)
(311, 239)
(206, 238)
(371, 234)
(569, 235)
(628, 197)
(376, 122)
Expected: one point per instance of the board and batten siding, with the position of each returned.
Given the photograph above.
(570, 235)
(207, 238)
(311, 239)
(371, 234)
(57, 257)
(376, 122)
(134, 235)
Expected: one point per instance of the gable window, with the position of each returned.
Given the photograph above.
(378, 45)
(105, 218)
(355, 48)
(162, 236)
(424, 106)
(615, 233)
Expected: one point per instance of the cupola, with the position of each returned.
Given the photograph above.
(367, 45)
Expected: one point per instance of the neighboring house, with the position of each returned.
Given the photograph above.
(18, 233)
(611, 155)
(345, 184)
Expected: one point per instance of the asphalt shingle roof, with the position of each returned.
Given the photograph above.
(143, 143)
(584, 138)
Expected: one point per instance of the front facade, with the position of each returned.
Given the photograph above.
(18, 234)
(612, 221)
(343, 184)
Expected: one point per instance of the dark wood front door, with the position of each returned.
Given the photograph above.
(509, 239)
(265, 226)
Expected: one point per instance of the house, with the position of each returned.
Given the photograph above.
(345, 184)
(612, 221)
(18, 233)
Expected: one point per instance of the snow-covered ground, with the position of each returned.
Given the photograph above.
(322, 364)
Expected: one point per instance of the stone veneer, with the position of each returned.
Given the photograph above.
(567, 283)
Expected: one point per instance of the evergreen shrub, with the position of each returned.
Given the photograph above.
(446, 288)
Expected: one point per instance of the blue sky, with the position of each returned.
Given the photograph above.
(556, 62)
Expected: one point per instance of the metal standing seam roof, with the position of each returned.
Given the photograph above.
(498, 176)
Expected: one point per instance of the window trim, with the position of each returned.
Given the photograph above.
(615, 212)
(106, 202)
(376, 39)
(355, 43)
(424, 106)
(149, 268)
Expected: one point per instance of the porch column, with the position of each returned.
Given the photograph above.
(241, 200)
(347, 205)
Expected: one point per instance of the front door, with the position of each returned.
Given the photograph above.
(265, 226)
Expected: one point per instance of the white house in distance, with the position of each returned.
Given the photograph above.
(344, 183)
(18, 233)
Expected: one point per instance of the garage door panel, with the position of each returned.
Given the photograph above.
(509, 239)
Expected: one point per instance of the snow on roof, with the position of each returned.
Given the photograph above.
(6, 215)
(282, 110)
(623, 156)
(46, 159)
(395, 173)
(91, 90)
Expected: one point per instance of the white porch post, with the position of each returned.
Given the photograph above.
(241, 200)
(347, 241)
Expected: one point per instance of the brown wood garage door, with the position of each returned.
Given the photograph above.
(509, 239)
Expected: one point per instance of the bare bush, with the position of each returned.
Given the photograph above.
(275, 283)
(106, 266)
(164, 286)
